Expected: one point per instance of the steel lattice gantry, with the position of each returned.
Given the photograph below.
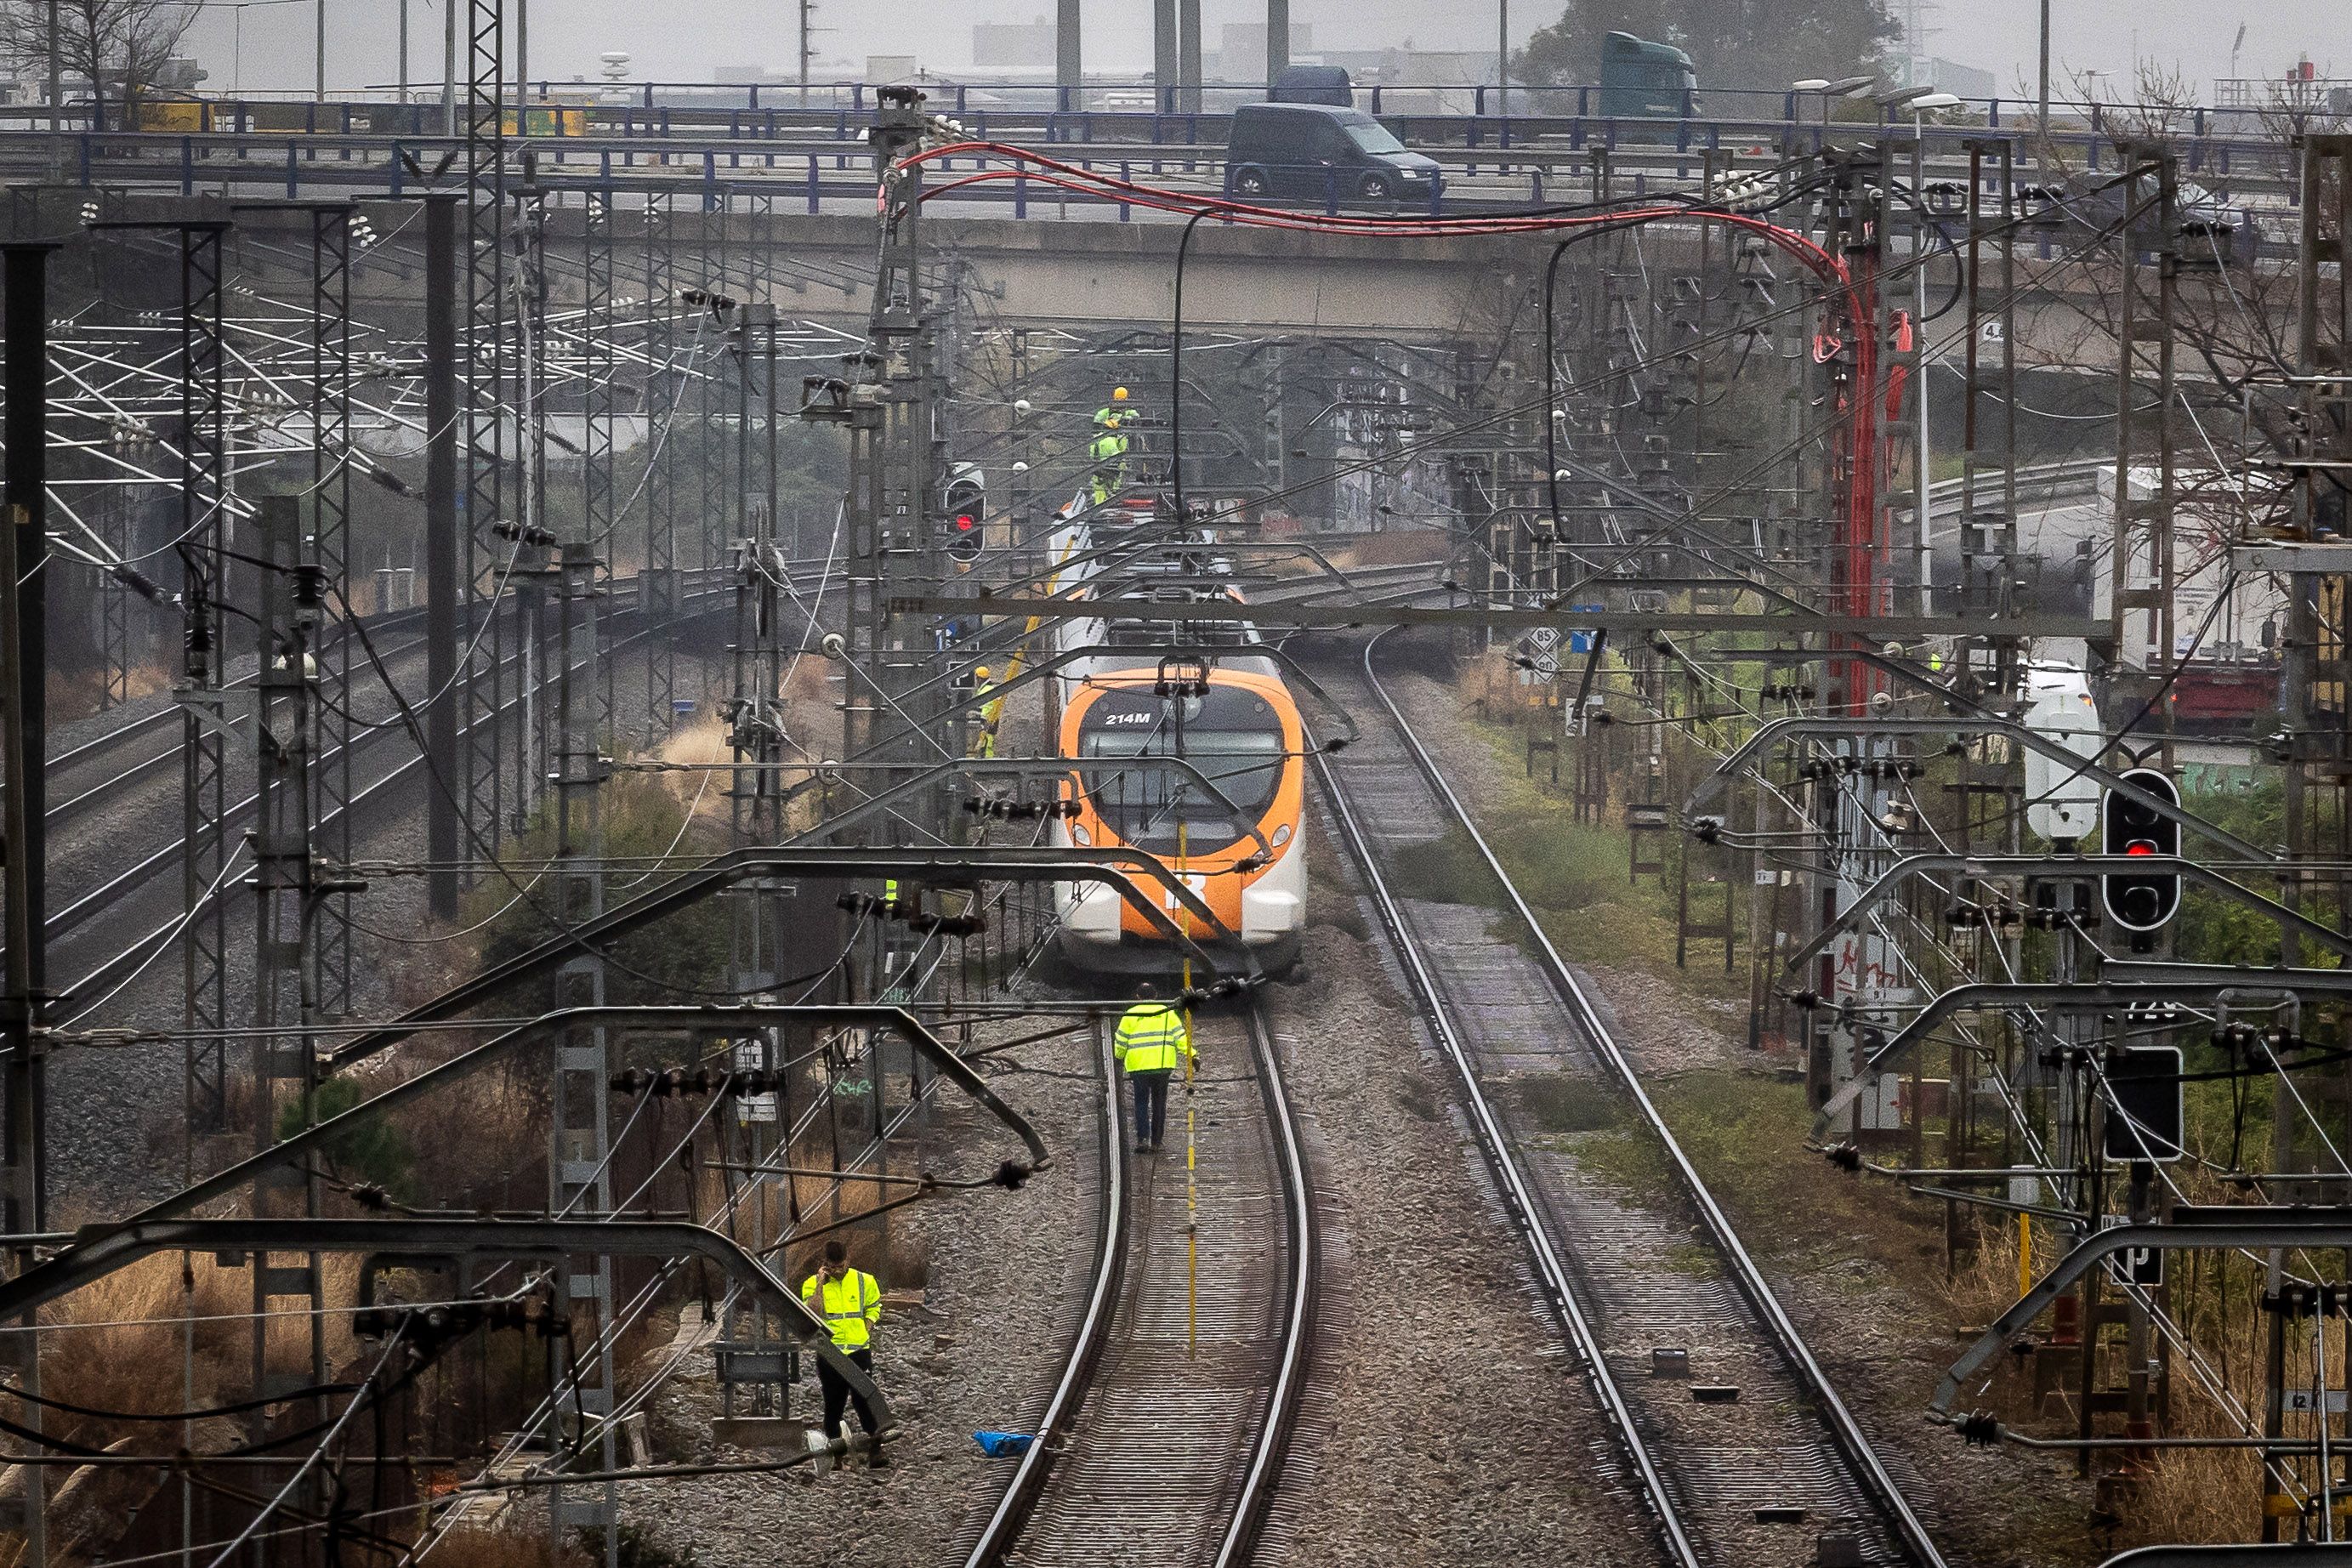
(658, 585)
(483, 418)
(204, 507)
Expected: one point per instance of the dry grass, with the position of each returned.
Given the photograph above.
(76, 694)
(809, 718)
(1395, 547)
(703, 790)
(2188, 1495)
(502, 1549)
(144, 1318)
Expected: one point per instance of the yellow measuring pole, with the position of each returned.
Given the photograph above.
(2024, 1255)
(1191, 1150)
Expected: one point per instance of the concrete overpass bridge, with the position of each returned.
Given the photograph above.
(1093, 277)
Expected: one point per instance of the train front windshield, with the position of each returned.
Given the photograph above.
(1232, 738)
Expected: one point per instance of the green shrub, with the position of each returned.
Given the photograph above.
(373, 1150)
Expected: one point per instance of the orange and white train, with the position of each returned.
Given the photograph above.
(1230, 825)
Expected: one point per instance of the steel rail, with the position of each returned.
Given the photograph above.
(73, 806)
(1261, 1465)
(65, 922)
(100, 976)
(1263, 1473)
(1031, 1476)
(1863, 1462)
(623, 602)
(1511, 1184)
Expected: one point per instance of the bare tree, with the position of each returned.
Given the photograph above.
(120, 47)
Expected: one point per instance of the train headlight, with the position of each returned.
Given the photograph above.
(1078, 834)
(1282, 836)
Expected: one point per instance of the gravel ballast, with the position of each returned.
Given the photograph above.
(1459, 1431)
(982, 1351)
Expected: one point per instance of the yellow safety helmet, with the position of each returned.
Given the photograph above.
(1118, 395)
(980, 674)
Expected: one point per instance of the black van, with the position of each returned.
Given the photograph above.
(1313, 84)
(1314, 152)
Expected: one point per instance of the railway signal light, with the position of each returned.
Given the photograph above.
(2148, 1106)
(2140, 902)
(966, 501)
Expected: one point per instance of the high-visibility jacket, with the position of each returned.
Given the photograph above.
(1151, 1037)
(981, 742)
(850, 1306)
(1109, 453)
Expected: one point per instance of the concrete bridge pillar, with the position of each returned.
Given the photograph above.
(1188, 43)
(1165, 73)
(1067, 71)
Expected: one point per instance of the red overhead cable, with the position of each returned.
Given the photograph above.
(1863, 591)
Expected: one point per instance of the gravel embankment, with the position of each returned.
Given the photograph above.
(1430, 1437)
(1865, 1298)
(982, 1351)
(1454, 1430)
(116, 1115)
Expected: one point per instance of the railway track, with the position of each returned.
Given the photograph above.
(93, 979)
(1156, 1447)
(75, 787)
(1747, 1456)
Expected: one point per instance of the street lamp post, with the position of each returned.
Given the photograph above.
(1502, 58)
(1920, 101)
(57, 70)
(1844, 87)
(2045, 121)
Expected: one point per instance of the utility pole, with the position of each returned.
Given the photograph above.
(23, 678)
(1278, 40)
(289, 898)
(579, 1154)
(807, 6)
(320, 90)
(404, 51)
(57, 69)
(441, 586)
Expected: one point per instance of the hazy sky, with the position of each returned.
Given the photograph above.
(685, 39)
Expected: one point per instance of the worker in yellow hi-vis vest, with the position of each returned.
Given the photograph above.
(991, 713)
(1151, 1044)
(850, 1303)
(1108, 451)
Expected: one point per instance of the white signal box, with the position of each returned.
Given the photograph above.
(2062, 803)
